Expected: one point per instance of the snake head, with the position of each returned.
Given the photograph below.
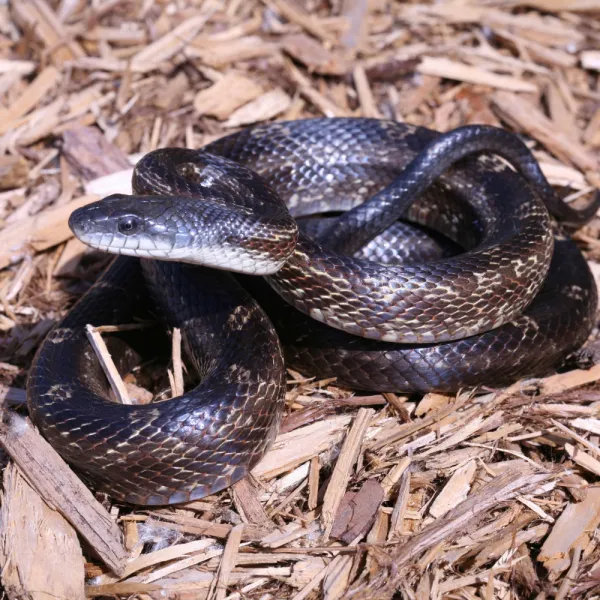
(188, 229)
(124, 224)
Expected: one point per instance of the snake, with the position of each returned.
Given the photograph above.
(387, 255)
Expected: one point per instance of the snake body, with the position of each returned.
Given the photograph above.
(344, 302)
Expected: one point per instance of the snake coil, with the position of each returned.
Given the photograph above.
(485, 288)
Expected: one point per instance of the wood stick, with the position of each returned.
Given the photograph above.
(62, 489)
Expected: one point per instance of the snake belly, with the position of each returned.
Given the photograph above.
(514, 303)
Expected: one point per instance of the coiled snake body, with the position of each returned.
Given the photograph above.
(514, 301)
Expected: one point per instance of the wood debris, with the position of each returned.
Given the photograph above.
(487, 493)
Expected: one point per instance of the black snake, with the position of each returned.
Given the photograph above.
(504, 292)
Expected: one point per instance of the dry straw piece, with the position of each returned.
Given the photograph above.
(489, 493)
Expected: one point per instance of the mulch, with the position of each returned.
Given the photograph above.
(491, 493)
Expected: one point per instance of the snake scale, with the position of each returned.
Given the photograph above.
(389, 256)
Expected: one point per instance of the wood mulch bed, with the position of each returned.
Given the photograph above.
(488, 494)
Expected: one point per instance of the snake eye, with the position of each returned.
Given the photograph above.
(128, 225)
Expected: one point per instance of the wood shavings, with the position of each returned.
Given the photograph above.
(424, 496)
(577, 520)
(39, 550)
(444, 67)
(55, 482)
(524, 115)
(347, 458)
(307, 50)
(167, 46)
(227, 94)
(455, 491)
(263, 108)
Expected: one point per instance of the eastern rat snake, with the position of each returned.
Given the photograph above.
(514, 301)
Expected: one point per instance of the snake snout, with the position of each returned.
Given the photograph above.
(79, 223)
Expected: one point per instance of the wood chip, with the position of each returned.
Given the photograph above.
(583, 458)
(38, 232)
(298, 446)
(40, 554)
(54, 481)
(577, 520)
(90, 154)
(528, 118)
(13, 172)
(449, 69)
(314, 55)
(298, 16)
(591, 60)
(228, 562)
(341, 474)
(455, 491)
(357, 512)
(263, 108)
(163, 49)
(48, 79)
(227, 94)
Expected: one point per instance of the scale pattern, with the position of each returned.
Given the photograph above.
(516, 301)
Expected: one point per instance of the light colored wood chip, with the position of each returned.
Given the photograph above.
(226, 95)
(432, 401)
(62, 489)
(325, 105)
(110, 369)
(356, 12)
(510, 540)
(394, 474)
(247, 501)
(336, 580)
(341, 473)
(38, 17)
(590, 59)
(298, 446)
(575, 522)
(178, 388)
(163, 49)
(399, 512)
(39, 232)
(40, 553)
(450, 69)
(313, 482)
(166, 554)
(583, 459)
(218, 54)
(118, 182)
(263, 108)
(228, 562)
(365, 95)
(455, 491)
(530, 119)
(39, 88)
(293, 13)
(20, 67)
(313, 54)
(560, 5)
(592, 425)
(464, 432)
(567, 381)
(290, 532)
(181, 565)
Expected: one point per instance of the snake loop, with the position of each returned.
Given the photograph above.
(502, 291)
